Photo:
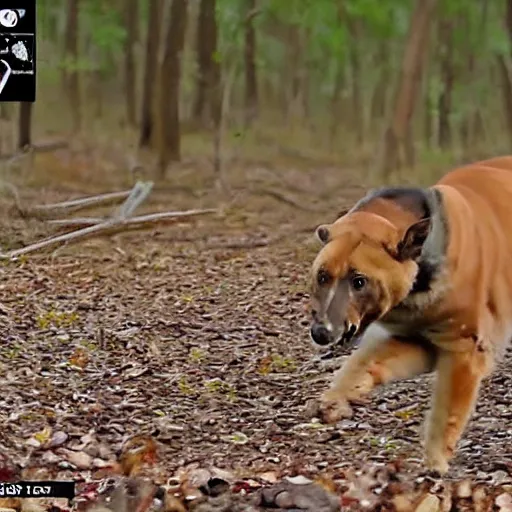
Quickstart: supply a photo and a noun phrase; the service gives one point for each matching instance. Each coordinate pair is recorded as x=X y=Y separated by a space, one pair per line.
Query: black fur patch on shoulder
x=410 y=198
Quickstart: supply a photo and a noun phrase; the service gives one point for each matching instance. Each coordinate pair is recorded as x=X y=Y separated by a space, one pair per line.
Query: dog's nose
x=320 y=334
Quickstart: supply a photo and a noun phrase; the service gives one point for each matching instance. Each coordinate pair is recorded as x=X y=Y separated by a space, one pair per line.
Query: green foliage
x=56 y=319
x=105 y=23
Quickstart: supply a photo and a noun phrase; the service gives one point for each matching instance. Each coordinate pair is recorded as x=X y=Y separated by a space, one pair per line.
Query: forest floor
x=195 y=335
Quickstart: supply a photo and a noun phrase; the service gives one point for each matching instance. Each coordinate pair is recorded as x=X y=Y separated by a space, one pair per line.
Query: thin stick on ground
x=50 y=210
x=279 y=196
x=107 y=227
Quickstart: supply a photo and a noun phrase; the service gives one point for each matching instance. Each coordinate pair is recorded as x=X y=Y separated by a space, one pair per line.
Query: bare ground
x=196 y=334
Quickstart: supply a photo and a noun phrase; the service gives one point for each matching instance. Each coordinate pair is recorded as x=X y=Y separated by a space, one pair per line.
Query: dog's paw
x=333 y=410
x=437 y=464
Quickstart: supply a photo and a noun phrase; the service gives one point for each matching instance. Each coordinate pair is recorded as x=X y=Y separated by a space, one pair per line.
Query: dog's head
x=366 y=267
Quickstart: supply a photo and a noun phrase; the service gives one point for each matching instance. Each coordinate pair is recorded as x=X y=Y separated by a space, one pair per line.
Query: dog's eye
x=358 y=282
x=323 y=277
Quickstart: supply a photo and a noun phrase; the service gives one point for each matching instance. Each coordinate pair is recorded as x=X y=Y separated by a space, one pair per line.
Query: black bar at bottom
x=38 y=489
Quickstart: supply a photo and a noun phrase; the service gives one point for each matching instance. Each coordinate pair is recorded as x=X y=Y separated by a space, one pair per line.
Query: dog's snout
x=320 y=334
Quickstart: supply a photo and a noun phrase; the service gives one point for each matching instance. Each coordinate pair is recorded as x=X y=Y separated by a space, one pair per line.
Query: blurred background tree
x=380 y=85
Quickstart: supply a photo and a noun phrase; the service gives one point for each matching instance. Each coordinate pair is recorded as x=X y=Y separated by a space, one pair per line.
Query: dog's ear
x=409 y=248
x=323 y=233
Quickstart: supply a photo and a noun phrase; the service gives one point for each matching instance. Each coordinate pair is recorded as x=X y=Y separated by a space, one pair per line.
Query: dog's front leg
x=379 y=359
x=458 y=379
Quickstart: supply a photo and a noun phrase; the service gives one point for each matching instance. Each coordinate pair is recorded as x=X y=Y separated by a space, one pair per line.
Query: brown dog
x=433 y=267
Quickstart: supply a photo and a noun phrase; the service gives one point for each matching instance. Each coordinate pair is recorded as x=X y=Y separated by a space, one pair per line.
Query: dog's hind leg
x=459 y=375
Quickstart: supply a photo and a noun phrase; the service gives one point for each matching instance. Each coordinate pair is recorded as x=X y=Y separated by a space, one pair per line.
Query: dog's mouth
x=347 y=335
x=345 y=342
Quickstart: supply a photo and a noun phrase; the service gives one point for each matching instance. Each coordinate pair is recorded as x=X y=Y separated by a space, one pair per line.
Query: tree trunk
x=148 y=93
x=504 y=71
x=291 y=73
x=130 y=74
x=472 y=127
x=251 y=84
x=396 y=135
x=354 y=29
x=506 y=88
x=378 y=105
x=170 y=86
x=71 y=78
x=206 y=103
x=25 y=125
x=447 y=77
x=428 y=118
x=335 y=105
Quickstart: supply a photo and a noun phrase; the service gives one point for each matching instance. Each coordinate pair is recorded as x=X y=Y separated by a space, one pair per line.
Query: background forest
x=359 y=82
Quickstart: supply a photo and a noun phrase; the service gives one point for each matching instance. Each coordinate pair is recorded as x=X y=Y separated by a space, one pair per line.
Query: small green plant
x=14 y=352
x=56 y=319
x=283 y=363
x=89 y=345
x=276 y=363
x=391 y=446
x=387 y=444
x=184 y=386
x=221 y=387
x=405 y=414
x=197 y=355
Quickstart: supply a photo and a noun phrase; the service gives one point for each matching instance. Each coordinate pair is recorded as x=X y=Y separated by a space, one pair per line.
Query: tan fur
x=459 y=327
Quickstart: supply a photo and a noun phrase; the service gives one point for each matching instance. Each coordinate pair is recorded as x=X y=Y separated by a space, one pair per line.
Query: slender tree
x=397 y=144
x=503 y=66
x=150 y=73
x=71 y=79
x=130 y=73
x=355 y=31
x=445 y=38
x=25 y=125
x=251 y=84
x=207 y=92
x=170 y=86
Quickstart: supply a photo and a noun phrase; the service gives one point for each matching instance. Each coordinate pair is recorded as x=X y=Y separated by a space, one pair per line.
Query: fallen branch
x=76 y=222
x=250 y=244
x=107 y=227
x=41 y=147
x=285 y=199
x=49 y=210
x=137 y=195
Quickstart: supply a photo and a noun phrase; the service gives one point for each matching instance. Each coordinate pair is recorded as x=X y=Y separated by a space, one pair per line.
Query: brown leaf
x=79 y=459
x=137 y=452
x=79 y=358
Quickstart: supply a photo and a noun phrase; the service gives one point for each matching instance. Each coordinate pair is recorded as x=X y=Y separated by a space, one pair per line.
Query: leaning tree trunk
x=354 y=29
x=506 y=89
x=130 y=74
x=397 y=143
x=206 y=100
x=71 y=79
x=251 y=84
x=149 y=89
x=503 y=64
x=378 y=103
x=170 y=86
x=25 y=125
x=447 y=77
